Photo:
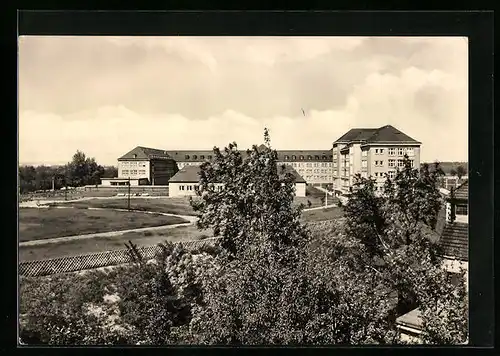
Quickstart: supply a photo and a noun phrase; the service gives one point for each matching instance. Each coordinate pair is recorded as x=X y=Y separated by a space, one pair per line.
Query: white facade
x=134 y=169
x=182 y=189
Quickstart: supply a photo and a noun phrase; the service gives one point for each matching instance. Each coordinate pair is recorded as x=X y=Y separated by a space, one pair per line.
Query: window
x=133 y=171
x=196 y=187
x=301 y=157
x=286 y=157
x=391 y=174
x=181 y=187
x=187 y=156
x=142 y=171
x=409 y=151
x=381 y=151
x=401 y=163
x=301 y=164
x=401 y=151
x=189 y=187
x=392 y=163
x=392 y=151
x=294 y=157
x=379 y=163
x=316 y=157
x=324 y=158
x=209 y=157
x=309 y=170
x=334 y=164
x=412 y=163
x=461 y=210
x=364 y=164
x=315 y=164
x=335 y=157
x=294 y=164
x=125 y=171
x=202 y=157
x=364 y=153
x=376 y=151
x=195 y=157
x=308 y=164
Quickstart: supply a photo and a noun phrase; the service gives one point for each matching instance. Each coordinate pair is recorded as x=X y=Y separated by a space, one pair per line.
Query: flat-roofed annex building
x=144 y=166
x=371 y=152
x=186 y=182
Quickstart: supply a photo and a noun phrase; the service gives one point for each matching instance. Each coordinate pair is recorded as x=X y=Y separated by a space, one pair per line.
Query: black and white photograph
x=243 y=190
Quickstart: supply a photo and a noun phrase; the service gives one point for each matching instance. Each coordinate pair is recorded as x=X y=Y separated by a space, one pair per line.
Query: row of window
x=309 y=157
x=132 y=164
x=314 y=171
x=196 y=157
x=322 y=178
x=133 y=171
x=196 y=187
x=310 y=164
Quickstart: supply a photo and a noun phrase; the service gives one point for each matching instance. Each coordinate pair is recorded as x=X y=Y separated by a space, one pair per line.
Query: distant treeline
x=454 y=168
x=80 y=171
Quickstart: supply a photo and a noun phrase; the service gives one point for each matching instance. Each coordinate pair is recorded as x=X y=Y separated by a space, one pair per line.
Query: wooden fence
x=114 y=257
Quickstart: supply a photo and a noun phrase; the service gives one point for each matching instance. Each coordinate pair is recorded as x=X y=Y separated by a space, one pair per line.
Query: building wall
x=161 y=170
x=300 y=189
x=180 y=189
x=134 y=169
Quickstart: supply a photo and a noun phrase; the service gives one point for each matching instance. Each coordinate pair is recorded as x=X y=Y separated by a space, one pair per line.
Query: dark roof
x=291 y=170
x=186 y=174
x=308 y=155
x=454 y=240
x=356 y=135
x=384 y=134
x=190 y=174
x=389 y=133
x=462 y=191
x=144 y=153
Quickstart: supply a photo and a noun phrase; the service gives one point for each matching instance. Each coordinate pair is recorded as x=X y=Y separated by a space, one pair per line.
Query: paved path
x=191 y=220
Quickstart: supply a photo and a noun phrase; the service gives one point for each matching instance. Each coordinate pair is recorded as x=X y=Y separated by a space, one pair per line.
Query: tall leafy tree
x=461 y=171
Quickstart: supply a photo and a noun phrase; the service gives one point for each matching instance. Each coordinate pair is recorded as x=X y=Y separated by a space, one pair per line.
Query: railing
x=115 y=257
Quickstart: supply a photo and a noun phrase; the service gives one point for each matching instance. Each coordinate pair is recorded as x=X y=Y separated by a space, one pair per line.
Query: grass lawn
x=162 y=205
x=99 y=244
x=35 y=224
x=322 y=214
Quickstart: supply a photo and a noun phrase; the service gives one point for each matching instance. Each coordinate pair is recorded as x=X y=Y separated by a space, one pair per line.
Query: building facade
x=313 y=165
x=186 y=182
x=376 y=153
x=145 y=166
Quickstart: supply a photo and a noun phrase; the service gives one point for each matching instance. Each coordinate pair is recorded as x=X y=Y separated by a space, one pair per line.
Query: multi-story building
x=371 y=152
x=144 y=166
x=313 y=165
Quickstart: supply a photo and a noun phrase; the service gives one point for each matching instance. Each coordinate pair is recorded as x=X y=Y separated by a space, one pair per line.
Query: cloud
x=106 y=95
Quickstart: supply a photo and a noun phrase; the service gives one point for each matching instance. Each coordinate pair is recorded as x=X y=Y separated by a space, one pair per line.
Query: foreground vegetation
x=36 y=224
x=271 y=279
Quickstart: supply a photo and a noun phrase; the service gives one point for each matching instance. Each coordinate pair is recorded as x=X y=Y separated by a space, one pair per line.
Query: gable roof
x=190 y=174
x=455 y=240
x=144 y=153
x=384 y=134
x=462 y=191
x=356 y=135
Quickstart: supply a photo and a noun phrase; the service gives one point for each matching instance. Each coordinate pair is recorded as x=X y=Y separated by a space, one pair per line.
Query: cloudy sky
x=106 y=95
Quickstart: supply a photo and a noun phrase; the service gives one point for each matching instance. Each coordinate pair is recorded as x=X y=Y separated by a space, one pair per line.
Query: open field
x=78 y=247
x=48 y=223
x=323 y=214
x=178 y=206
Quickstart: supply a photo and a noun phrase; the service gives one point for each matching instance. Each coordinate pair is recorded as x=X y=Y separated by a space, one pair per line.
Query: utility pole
x=129 y=193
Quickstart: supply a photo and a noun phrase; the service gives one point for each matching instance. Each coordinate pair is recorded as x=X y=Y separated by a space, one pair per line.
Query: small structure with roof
x=454 y=241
